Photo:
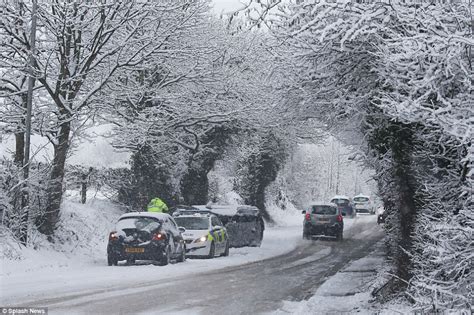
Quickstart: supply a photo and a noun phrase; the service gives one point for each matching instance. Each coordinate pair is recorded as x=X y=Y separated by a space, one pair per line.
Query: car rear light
x=113 y=236
x=308 y=216
x=159 y=236
x=339 y=218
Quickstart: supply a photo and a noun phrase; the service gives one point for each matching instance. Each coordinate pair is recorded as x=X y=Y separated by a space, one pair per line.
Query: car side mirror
x=181 y=229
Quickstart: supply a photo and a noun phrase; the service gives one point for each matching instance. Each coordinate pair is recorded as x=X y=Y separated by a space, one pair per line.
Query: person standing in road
x=157 y=205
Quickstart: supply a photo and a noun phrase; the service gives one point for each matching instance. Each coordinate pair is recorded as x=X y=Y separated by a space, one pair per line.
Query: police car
x=204 y=234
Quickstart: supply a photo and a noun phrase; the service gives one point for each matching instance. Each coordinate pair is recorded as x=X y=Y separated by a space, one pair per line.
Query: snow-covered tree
x=400 y=73
x=81 y=47
x=216 y=87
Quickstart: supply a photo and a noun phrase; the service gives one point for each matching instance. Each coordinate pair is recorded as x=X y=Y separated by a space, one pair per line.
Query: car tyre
x=165 y=260
x=212 y=251
x=111 y=260
x=306 y=236
x=339 y=236
x=226 y=251
x=182 y=256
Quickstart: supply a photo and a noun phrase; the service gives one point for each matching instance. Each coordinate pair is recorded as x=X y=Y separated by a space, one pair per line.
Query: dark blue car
x=345 y=205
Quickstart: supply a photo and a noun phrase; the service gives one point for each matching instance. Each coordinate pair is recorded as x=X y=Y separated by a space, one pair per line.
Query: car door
x=168 y=227
x=178 y=237
x=218 y=233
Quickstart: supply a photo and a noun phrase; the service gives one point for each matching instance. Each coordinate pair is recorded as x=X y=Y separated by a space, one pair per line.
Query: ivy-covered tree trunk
x=194 y=184
x=402 y=147
x=260 y=170
x=393 y=145
x=55 y=186
x=151 y=179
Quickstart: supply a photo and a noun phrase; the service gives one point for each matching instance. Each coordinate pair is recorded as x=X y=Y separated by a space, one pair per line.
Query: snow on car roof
x=361 y=195
x=195 y=214
x=340 y=197
x=159 y=216
x=321 y=203
x=229 y=210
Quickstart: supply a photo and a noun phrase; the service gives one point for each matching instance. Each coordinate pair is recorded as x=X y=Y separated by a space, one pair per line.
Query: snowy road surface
x=230 y=285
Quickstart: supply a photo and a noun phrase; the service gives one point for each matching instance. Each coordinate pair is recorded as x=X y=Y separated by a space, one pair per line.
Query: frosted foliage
x=319 y=172
x=402 y=73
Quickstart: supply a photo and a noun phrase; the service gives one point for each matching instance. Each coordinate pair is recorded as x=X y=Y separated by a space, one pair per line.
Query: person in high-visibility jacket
x=157 y=205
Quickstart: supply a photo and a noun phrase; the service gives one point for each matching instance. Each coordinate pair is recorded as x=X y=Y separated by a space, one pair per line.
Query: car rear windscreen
x=361 y=199
x=327 y=210
x=138 y=223
x=193 y=223
x=340 y=202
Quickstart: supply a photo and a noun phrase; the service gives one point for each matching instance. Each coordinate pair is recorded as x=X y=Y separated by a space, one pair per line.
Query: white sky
x=225 y=6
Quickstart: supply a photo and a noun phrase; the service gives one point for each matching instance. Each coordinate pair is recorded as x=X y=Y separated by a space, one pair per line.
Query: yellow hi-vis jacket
x=157 y=205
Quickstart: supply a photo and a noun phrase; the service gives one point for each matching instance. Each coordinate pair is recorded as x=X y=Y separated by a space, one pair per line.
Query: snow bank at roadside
x=349 y=291
x=290 y=216
x=81 y=237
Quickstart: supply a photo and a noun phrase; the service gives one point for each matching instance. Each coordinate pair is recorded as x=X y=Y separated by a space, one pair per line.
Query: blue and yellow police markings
x=217 y=235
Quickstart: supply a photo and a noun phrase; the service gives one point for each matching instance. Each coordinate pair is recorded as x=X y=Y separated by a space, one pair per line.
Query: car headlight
x=202 y=239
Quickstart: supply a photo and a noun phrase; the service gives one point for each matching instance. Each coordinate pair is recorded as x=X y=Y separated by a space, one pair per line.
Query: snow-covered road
x=249 y=280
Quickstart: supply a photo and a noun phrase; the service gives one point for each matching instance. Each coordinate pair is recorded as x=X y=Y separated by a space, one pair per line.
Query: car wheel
x=165 y=260
x=130 y=261
x=339 y=236
x=306 y=236
x=212 y=251
x=226 y=251
x=182 y=257
x=111 y=260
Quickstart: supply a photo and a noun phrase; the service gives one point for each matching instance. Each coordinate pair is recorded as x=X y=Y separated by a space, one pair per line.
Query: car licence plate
x=134 y=250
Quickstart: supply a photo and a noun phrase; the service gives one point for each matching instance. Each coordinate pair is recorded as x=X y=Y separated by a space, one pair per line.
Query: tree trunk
x=404 y=176
x=19 y=148
x=260 y=201
x=195 y=186
x=55 y=187
x=84 y=182
x=21 y=145
x=84 y=189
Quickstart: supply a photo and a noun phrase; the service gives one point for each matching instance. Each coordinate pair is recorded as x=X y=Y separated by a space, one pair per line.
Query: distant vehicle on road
x=323 y=219
x=204 y=235
x=363 y=204
x=344 y=203
x=145 y=236
x=244 y=224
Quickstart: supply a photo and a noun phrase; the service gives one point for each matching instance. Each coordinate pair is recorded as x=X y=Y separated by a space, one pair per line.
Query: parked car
x=244 y=224
x=204 y=235
x=363 y=204
x=323 y=219
x=145 y=236
x=344 y=203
